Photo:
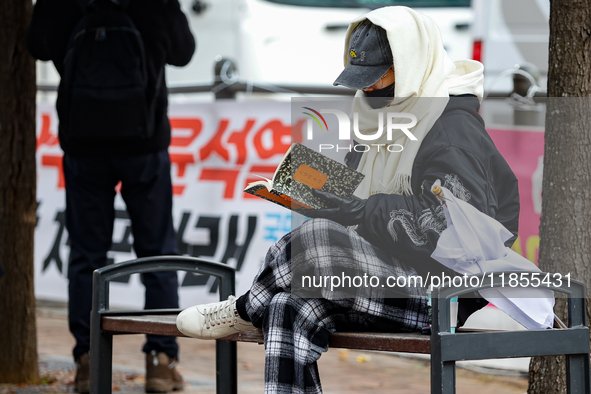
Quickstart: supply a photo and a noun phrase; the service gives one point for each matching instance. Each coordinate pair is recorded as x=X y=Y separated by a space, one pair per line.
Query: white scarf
x=425 y=78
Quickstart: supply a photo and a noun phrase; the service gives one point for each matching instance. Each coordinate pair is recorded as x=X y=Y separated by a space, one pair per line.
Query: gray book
x=301 y=170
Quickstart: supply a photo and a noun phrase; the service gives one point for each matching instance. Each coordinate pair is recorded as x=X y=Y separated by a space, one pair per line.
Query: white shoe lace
x=222 y=313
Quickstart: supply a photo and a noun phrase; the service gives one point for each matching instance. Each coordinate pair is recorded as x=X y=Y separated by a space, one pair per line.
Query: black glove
x=348 y=211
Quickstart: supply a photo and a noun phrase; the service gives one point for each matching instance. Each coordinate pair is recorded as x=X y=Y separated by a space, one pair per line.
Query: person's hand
x=347 y=211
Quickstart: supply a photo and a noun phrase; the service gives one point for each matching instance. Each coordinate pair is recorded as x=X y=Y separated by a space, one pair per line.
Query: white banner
x=216 y=148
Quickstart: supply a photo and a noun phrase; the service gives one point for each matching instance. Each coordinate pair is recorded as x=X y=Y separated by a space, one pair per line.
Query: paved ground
x=342 y=371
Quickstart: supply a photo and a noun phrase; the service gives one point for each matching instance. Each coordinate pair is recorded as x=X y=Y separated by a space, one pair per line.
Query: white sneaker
x=212 y=321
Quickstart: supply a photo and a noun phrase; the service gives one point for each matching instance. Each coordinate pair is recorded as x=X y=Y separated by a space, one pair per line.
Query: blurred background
x=300 y=42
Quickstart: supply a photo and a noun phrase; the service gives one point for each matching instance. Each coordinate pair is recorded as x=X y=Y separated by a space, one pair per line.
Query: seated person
x=396 y=61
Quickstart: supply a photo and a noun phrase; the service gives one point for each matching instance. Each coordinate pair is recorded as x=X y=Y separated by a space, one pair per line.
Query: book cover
x=301 y=170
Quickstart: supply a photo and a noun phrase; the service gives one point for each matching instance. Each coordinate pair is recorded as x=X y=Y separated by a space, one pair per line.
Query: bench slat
x=150 y=324
x=165 y=325
x=396 y=342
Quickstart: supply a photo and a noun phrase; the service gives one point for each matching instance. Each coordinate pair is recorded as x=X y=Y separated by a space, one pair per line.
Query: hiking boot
x=212 y=321
x=161 y=373
x=82 y=379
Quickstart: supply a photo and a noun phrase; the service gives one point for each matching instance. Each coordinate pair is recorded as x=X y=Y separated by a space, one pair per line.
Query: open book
x=301 y=170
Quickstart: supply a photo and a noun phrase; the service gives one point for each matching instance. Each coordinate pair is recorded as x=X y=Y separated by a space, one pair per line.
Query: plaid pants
x=297 y=329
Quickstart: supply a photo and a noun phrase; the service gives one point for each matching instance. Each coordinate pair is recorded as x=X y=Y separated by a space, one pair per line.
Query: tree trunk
x=18 y=341
x=565 y=226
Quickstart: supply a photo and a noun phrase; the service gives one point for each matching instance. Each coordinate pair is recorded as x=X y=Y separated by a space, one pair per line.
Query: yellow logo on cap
x=352 y=54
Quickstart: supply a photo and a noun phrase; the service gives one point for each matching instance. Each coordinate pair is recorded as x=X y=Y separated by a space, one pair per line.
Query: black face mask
x=380 y=97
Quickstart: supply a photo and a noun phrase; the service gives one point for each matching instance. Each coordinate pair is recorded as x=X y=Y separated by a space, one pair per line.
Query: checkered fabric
x=297 y=329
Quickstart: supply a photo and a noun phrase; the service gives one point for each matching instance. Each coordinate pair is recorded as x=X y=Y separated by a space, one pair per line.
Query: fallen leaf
x=344 y=354
x=363 y=358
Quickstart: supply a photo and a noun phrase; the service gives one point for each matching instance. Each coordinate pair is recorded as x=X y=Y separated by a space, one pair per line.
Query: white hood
x=425 y=77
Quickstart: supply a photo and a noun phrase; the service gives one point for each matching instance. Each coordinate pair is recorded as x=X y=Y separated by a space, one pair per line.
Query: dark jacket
x=459 y=152
x=167 y=40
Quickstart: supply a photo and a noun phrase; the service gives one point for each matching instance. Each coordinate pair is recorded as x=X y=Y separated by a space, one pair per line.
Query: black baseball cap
x=370 y=57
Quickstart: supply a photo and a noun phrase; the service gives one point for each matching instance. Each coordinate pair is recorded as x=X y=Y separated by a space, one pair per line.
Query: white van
x=297 y=42
x=509 y=33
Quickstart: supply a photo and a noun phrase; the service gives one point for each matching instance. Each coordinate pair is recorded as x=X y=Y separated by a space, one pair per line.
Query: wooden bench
x=444 y=347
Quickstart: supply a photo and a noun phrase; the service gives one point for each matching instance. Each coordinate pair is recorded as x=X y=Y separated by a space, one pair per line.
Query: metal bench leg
x=448 y=380
x=577 y=374
x=443 y=376
x=226 y=368
x=101 y=363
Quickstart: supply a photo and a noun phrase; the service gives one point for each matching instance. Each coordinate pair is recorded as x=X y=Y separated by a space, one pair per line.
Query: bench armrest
x=101 y=343
x=102 y=276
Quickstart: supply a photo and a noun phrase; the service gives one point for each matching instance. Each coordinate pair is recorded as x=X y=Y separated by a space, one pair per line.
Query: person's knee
x=316 y=224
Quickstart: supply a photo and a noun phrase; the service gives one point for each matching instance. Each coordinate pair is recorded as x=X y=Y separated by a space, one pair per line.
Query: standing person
x=395 y=59
x=114 y=128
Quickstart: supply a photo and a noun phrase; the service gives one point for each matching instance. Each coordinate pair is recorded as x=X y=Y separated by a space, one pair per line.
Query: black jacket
x=167 y=40
x=459 y=152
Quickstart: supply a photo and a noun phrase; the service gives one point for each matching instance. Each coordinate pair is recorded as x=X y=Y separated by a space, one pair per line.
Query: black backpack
x=104 y=93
